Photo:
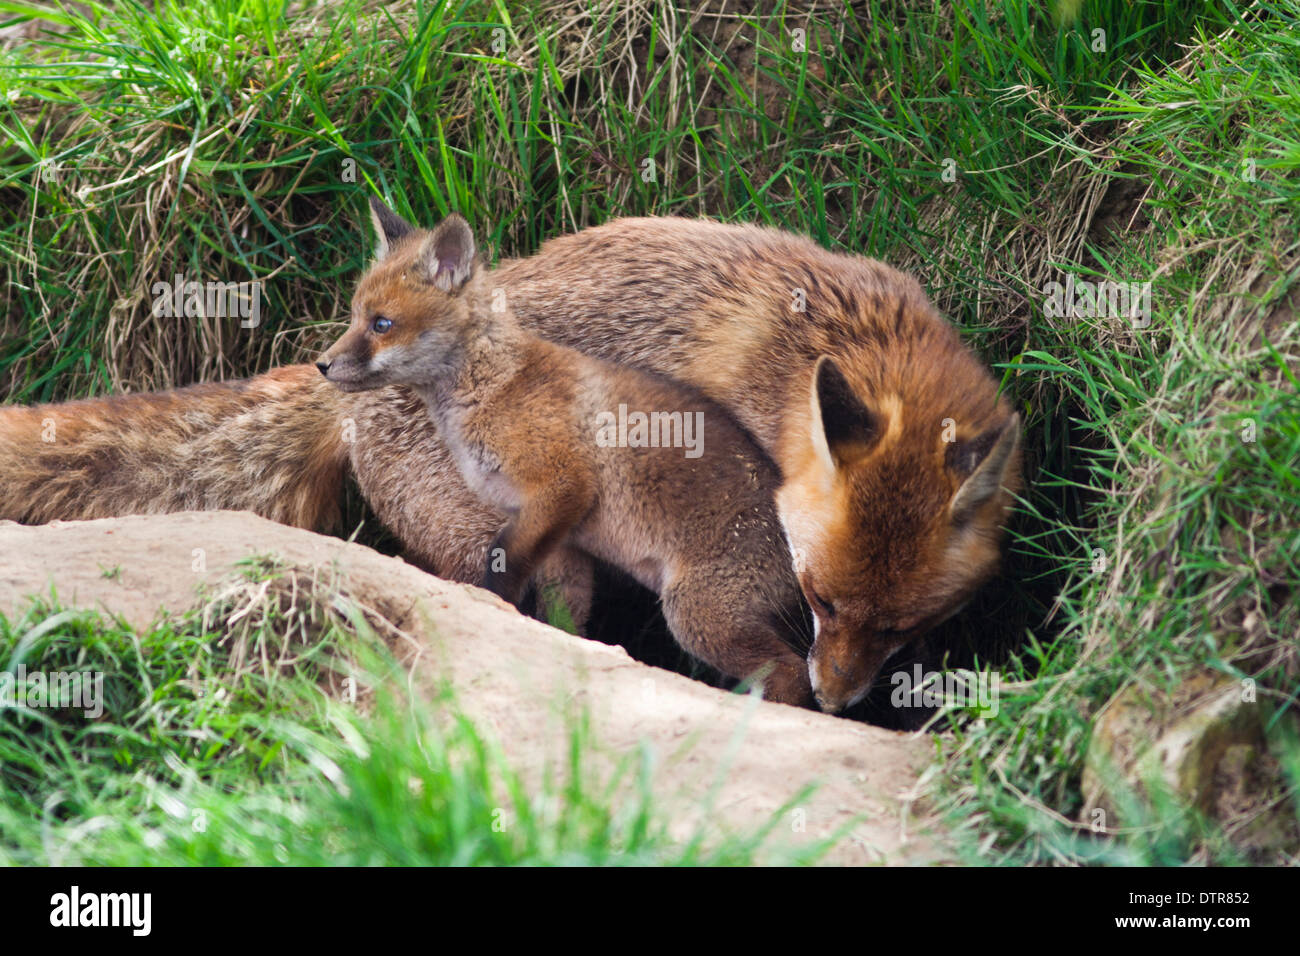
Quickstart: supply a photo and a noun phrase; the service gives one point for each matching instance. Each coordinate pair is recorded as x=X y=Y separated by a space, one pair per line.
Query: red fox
x=544 y=433
x=898 y=459
x=268 y=444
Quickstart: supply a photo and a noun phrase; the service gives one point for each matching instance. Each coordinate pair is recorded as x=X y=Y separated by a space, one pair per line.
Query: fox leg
x=569 y=575
x=409 y=477
x=450 y=532
x=737 y=636
x=546 y=518
x=453 y=534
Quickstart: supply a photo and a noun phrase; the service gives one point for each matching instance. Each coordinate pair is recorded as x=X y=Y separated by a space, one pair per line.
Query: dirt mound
x=520 y=680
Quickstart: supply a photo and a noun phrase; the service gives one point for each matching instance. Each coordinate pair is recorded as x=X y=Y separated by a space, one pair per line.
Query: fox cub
x=580 y=453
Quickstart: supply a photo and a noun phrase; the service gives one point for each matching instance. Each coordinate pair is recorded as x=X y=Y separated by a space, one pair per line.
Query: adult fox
x=898 y=458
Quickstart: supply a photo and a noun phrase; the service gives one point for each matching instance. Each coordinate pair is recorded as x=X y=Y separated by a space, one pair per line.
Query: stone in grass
x=1204 y=746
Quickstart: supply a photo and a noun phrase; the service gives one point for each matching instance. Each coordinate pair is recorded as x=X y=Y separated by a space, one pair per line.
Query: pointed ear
x=984 y=461
x=841 y=423
x=448 y=254
x=389 y=227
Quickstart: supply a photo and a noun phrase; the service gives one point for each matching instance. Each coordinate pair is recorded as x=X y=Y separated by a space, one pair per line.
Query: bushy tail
x=273 y=445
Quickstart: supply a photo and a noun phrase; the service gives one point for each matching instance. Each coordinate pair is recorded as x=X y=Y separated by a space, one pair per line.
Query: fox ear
x=389 y=227
x=841 y=423
x=448 y=254
x=984 y=462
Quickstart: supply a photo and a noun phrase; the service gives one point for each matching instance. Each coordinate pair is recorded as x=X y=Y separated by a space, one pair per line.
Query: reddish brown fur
x=270 y=445
x=521 y=412
x=709 y=304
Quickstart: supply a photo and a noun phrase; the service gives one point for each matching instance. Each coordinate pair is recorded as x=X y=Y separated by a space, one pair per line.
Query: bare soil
x=519 y=680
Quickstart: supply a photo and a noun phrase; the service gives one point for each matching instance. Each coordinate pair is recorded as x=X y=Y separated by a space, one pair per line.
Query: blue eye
x=380 y=325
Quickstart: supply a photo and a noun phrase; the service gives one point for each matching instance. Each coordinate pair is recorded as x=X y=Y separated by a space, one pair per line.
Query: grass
x=228 y=737
x=990 y=147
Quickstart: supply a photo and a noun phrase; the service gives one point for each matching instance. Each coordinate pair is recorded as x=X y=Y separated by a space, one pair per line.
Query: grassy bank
x=992 y=148
x=232 y=736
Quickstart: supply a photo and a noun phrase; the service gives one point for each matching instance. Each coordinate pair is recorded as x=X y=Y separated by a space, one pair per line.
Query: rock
x=1204 y=746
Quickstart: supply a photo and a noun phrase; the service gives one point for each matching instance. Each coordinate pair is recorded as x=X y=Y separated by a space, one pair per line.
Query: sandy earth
x=521 y=680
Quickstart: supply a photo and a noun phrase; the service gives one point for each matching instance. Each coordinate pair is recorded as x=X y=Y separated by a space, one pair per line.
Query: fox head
x=412 y=312
x=892 y=528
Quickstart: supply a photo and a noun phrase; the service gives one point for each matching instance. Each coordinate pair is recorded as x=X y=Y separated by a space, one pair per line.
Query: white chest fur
x=478 y=465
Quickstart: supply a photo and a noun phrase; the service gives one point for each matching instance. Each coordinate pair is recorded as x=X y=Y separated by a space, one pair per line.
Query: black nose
x=324 y=367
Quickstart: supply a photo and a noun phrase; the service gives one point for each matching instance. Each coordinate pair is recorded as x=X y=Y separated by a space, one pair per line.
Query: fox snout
x=344 y=368
x=843 y=668
x=332 y=365
x=328 y=364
